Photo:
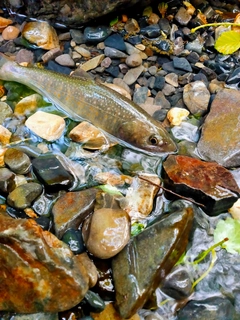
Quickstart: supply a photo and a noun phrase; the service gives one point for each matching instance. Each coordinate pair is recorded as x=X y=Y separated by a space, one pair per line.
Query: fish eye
x=153 y=140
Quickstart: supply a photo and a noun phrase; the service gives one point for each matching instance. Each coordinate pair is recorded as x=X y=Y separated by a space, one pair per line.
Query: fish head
x=148 y=137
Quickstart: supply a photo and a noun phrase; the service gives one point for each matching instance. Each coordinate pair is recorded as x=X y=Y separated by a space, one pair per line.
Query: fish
x=85 y=99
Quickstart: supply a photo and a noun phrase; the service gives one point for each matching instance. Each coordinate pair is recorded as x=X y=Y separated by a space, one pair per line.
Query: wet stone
x=177 y=283
x=115 y=41
x=107 y=232
x=138 y=271
x=220 y=133
x=196 y=97
x=51 y=171
x=46 y=269
x=71 y=209
x=206 y=182
x=23 y=196
x=73 y=238
x=58 y=68
x=151 y=31
x=96 y=35
x=208 y=309
x=169 y=67
x=17 y=161
x=7 y=183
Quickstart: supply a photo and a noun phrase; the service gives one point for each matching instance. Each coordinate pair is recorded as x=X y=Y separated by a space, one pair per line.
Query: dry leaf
x=4 y=23
x=236 y=20
x=190 y=7
x=202 y=17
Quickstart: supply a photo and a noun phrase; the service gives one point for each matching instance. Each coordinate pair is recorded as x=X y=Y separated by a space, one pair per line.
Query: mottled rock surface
x=206 y=182
x=71 y=209
x=220 y=138
x=148 y=257
x=69 y=12
x=42 y=269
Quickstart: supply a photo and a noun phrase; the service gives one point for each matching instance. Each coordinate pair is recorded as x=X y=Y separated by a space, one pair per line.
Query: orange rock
x=42 y=34
x=4 y=23
x=10 y=33
x=40 y=267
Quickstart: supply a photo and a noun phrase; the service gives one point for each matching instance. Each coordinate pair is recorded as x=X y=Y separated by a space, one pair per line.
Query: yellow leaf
x=228 y=42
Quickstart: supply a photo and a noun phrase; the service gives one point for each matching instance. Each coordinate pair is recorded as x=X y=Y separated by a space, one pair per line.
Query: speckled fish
x=84 y=99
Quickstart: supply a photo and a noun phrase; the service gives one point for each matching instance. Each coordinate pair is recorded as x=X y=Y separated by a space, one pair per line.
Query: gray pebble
x=140 y=95
x=17 y=161
x=114 y=53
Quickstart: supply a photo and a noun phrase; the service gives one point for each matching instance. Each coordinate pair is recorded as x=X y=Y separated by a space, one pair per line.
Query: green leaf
x=229 y=228
x=109 y=189
x=228 y=42
x=113 y=22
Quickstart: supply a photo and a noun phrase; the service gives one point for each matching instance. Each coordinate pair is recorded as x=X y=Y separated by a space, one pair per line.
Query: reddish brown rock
x=38 y=272
x=220 y=138
x=71 y=209
x=206 y=182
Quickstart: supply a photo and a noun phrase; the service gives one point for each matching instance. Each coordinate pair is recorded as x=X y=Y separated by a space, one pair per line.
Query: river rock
x=41 y=33
x=196 y=97
x=10 y=33
x=5 y=135
x=220 y=139
x=134 y=60
x=71 y=209
x=7 y=183
x=39 y=266
x=106 y=232
x=22 y=196
x=49 y=169
x=28 y=104
x=206 y=182
x=92 y=63
x=18 y=161
x=115 y=41
x=209 y=309
x=147 y=258
x=46 y=125
x=65 y=60
x=139 y=198
x=132 y=75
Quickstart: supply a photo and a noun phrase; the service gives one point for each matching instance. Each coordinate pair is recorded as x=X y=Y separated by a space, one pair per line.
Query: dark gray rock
x=182 y=64
x=209 y=309
x=115 y=41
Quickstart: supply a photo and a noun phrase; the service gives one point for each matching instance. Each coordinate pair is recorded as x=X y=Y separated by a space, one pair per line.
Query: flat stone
x=23 y=196
x=39 y=266
x=182 y=64
x=172 y=79
x=71 y=209
x=115 y=41
x=134 y=60
x=49 y=169
x=65 y=60
x=92 y=63
x=196 y=97
x=114 y=53
x=46 y=125
x=160 y=100
x=82 y=51
x=206 y=182
x=159 y=83
x=139 y=270
x=220 y=139
x=132 y=75
x=77 y=36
